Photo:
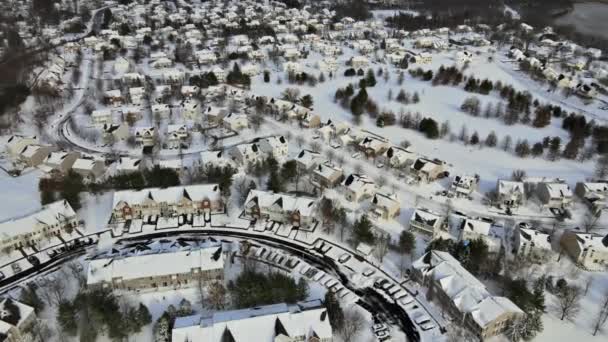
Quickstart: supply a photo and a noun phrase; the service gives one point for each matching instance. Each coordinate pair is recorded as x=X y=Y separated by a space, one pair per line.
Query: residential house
x=287 y=209
x=17 y=321
x=373 y=146
x=246 y=154
x=510 y=193
x=357 y=187
x=590 y=251
x=276 y=146
x=426 y=222
x=114 y=98
x=61 y=161
x=190 y=91
x=167 y=202
x=16 y=143
x=215 y=158
x=29 y=230
x=428 y=170
x=555 y=194
x=145 y=136
x=398 y=158
x=34 y=155
x=464 y=186
x=161 y=110
x=89 y=168
x=463 y=296
x=101 y=117
x=177 y=136
x=531 y=243
x=462 y=228
x=384 y=205
x=128 y=165
x=235 y=122
x=307 y=160
x=594 y=194
x=304 y=321
x=114 y=132
x=137 y=95
x=169 y=270
x=326 y=175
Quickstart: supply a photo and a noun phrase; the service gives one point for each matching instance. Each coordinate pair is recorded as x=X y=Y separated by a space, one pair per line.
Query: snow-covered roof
x=327 y=170
x=260 y=324
x=355 y=182
x=558 y=189
x=150 y=265
x=168 y=195
x=509 y=187
x=264 y=199
x=536 y=238
x=50 y=215
x=426 y=217
x=467 y=293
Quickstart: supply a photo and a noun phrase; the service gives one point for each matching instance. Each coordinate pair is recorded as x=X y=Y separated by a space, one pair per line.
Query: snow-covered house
x=145 y=135
x=462 y=228
x=587 y=250
x=235 y=122
x=464 y=186
x=359 y=62
x=215 y=158
x=326 y=175
x=510 y=193
x=426 y=222
x=397 y=157
x=531 y=243
x=51 y=220
x=17 y=321
x=427 y=170
x=136 y=95
x=306 y=160
x=61 y=161
x=167 y=202
x=356 y=187
x=161 y=110
x=101 y=117
x=128 y=165
x=287 y=209
x=190 y=91
x=191 y=109
x=114 y=98
x=246 y=154
x=89 y=168
x=16 y=143
x=304 y=321
x=385 y=205
x=177 y=136
x=464 y=296
x=554 y=194
x=594 y=194
x=157 y=271
x=276 y=146
x=34 y=155
x=373 y=146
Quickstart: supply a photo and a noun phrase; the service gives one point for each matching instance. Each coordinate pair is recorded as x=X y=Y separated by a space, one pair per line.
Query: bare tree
x=291 y=95
x=518 y=175
x=353 y=324
x=568 y=301
x=590 y=220
x=76 y=270
x=330 y=154
x=602 y=315
x=299 y=140
x=217 y=296
x=315 y=146
x=381 y=247
x=381 y=181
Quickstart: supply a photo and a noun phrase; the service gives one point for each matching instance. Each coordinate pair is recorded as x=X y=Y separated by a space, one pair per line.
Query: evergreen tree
x=474 y=139
x=275 y=182
x=334 y=310
x=538 y=294
x=491 y=139
x=307 y=101
x=428 y=126
x=522 y=149
x=415 y=97
x=537 y=149
x=362 y=231
x=554 y=148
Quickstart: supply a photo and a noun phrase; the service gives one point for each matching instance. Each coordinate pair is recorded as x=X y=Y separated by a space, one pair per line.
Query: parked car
x=379 y=327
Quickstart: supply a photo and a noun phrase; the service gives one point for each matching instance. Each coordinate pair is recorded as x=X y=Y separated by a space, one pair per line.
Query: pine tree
x=491 y=139
x=554 y=148
x=474 y=138
x=506 y=143
x=538 y=299
x=275 y=182
x=334 y=310
x=416 y=97
x=537 y=149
